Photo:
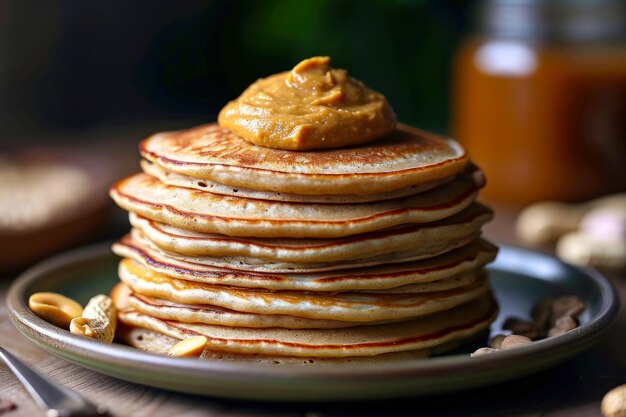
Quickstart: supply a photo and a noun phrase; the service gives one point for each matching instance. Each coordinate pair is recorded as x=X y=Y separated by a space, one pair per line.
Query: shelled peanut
x=191 y=347
x=97 y=320
x=54 y=308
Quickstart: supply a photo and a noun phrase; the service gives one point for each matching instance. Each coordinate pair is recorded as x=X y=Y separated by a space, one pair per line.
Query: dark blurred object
x=50 y=200
x=540 y=99
x=66 y=66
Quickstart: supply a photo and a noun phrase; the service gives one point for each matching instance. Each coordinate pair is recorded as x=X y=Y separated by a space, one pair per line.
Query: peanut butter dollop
x=312 y=106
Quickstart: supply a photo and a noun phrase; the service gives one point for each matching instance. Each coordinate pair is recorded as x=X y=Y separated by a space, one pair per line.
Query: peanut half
x=98 y=320
x=55 y=308
x=190 y=347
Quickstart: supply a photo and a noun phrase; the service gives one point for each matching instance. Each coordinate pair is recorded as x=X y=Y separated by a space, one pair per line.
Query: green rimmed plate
x=519 y=278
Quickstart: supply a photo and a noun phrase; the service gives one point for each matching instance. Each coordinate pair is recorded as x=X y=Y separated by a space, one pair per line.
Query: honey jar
x=539 y=99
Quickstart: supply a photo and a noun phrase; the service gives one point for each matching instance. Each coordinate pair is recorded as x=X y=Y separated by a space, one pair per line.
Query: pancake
x=416 y=252
x=467 y=258
x=233 y=216
x=459 y=323
x=125 y=298
x=345 y=306
x=208 y=314
x=178 y=180
x=159 y=343
x=458 y=281
x=428 y=238
x=407 y=157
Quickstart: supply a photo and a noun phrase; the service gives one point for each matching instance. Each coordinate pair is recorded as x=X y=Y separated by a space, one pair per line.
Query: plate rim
x=117 y=355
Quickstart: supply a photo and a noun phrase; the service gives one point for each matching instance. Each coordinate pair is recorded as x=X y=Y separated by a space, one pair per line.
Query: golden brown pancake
x=213 y=213
x=178 y=180
x=426 y=238
x=345 y=306
x=415 y=252
x=208 y=314
x=458 y=261
x=159 y=343
x=407 y=157
x=461 y=322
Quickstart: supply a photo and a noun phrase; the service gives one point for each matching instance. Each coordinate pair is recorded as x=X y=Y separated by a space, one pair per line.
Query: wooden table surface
x=574 y=388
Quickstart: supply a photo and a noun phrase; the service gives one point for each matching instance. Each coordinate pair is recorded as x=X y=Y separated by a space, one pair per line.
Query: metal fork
x=54 y=399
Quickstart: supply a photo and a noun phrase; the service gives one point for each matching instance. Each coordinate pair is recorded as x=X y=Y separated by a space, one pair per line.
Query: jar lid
x=559 y=20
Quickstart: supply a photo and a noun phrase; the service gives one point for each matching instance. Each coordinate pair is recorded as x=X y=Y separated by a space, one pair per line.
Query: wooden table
x=574 y=388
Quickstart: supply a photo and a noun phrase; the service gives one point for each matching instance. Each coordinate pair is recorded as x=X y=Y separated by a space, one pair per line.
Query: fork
x=54 y=399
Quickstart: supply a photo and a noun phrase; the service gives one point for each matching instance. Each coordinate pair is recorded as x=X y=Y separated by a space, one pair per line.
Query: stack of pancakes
x=371 y=251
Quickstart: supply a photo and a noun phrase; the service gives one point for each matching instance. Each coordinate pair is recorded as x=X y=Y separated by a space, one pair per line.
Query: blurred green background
x=66 y=66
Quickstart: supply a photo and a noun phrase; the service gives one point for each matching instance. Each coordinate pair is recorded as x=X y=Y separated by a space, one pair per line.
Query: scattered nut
x=551 y=317
x=496 y=342
x=514 y=340
x=543 y=223
x=81 y=326
x=614 y=201
x=581 y=249
x=566 y=306
x=614 y=402
x=483 y=351
x=605 y=223
x=98 y=320
x=589 y=234
x=524 y=328
x=191 y=347
x=541 y=313
x=55 y=308
x=562 y=325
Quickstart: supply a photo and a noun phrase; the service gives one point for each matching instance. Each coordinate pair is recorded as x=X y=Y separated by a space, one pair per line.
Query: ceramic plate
x=519 y=278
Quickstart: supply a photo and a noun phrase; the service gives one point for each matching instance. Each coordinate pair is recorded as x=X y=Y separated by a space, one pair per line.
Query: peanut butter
x=312 y=106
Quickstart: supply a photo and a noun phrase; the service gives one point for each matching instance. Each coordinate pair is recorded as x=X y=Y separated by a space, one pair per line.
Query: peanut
x=55 y=308
x=566 y=306
x=496 y=342
x=614 y=201
x=523 y=328
x=605 y=223
x=589 y=234
x=98 y=320
x=514 y=340
x=483 y=351
x=543 y=223
x=501 y=342
x=580 y=249
x=190 y=347
x=563 y=325
x=541 y=313
x=614 y=402
x=559 y=313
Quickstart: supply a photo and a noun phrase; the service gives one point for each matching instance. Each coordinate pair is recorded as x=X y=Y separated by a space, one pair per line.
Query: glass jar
x=540 y=99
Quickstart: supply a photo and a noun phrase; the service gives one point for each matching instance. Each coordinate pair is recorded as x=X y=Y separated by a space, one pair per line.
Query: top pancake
x=177 y=180
x=408 y=157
